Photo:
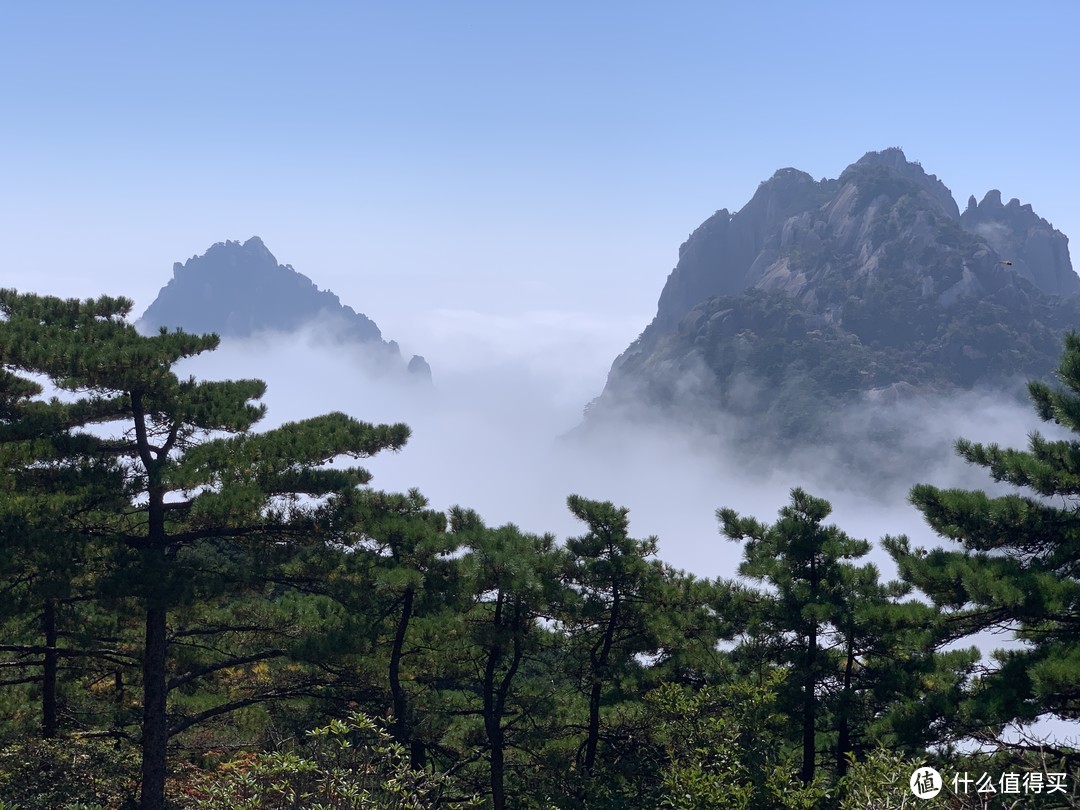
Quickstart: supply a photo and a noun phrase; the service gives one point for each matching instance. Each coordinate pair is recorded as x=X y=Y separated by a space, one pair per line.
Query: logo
x=926 y=783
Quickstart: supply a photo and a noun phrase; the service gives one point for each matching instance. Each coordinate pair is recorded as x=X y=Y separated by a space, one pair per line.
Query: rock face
x=823 y=292
x=419 y=367
x=1037 y=251
x=239 y=290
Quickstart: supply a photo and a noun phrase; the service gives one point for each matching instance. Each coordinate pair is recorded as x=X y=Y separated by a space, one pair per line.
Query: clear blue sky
x=494 y=156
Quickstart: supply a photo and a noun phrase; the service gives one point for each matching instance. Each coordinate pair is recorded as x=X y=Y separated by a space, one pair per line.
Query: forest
x=196 y=613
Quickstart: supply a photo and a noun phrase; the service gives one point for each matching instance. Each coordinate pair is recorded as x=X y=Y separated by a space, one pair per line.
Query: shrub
x=347 y=765
x=68 y=774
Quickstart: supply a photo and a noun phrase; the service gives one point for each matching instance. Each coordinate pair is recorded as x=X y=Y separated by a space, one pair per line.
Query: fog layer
x=491 y=435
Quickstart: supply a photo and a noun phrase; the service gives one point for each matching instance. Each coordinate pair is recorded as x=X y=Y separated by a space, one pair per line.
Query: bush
x=347 y=765
x=68 y=774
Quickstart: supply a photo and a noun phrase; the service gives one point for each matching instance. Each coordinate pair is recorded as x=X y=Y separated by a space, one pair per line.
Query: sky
x=503 y=188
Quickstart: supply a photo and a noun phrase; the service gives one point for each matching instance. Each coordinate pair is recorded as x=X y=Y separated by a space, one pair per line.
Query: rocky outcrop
x=717 y=257
x=895 y=162
x=730 y=252
x=1035 y=249
x=238 y=290
x=419 y=368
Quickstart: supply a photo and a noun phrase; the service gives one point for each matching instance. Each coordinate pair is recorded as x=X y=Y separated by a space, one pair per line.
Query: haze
x=491 y=436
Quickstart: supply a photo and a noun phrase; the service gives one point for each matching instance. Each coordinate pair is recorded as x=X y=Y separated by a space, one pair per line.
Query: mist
x=494 y=433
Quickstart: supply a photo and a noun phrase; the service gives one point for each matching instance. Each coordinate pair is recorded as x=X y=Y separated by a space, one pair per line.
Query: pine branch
x=232 y=706
x=209 y=669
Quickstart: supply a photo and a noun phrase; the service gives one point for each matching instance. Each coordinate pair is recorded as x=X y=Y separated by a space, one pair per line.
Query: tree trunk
x=498 y=769
x=49 y=723
x=843 y=743
x=417 y=754
x=400 y=729
x=155 y=732
x=809 y=717
x=492 y=717
x=155 y=565
x=600 y=663
x=809 y=707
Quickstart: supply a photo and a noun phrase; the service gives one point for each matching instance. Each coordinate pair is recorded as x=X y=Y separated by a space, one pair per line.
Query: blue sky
x=507 y=158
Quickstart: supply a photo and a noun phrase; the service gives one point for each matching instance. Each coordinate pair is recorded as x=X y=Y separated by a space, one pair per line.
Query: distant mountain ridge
x=818 y=293
x=239 y=290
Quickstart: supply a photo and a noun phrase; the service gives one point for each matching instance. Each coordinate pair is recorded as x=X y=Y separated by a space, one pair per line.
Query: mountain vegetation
x=199 y=614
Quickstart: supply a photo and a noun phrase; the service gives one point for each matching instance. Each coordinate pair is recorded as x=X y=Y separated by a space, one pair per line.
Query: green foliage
x=211 y=507
x=1016 y=569
x=611 y=615
x=351 y=764
x=840 y=631
x=69 y=774
x=726 y=748
x=501 y=656
x=881 y=781
x=802 y=560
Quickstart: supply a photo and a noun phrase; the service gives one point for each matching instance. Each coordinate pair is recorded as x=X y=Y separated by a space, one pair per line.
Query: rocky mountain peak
x=892 y=156
x=895 y=161
x=419 y=368
x=820 y=292
x=240 y=289
x=717 y=257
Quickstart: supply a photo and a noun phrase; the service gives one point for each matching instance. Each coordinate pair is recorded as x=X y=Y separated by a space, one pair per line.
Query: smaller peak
x=790 y=174
x=893 y=157
x=784 y=183
x=972 y=205
x=256 y=246
x=894 y=161
x=419 y=368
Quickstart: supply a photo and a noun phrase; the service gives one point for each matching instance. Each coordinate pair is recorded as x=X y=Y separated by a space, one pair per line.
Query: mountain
x=239 y=290
x=867 y=288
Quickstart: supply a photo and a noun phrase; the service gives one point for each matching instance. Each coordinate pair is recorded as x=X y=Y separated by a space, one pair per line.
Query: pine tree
x=46 y=570
x=513 y=587
x=884 y=669
x=1018 y=566
x=616 y=620
x=841 y=631
x=198 y=481
x=396 y=577
x=800 y=558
